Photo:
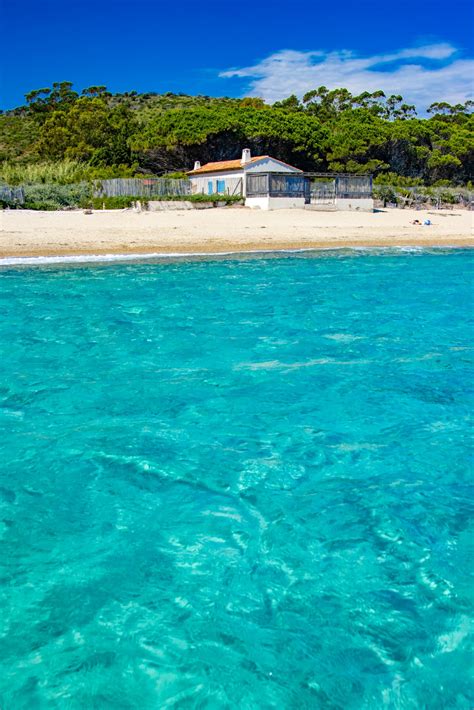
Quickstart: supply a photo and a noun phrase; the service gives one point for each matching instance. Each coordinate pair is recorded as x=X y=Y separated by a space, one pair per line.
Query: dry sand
x=31 y=233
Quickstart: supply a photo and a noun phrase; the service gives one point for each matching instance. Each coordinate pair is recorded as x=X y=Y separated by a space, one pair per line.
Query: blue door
x=221 y=187
x=210 y=189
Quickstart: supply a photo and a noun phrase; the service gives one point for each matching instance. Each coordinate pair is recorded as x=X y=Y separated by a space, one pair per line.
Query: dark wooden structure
x=319 y=188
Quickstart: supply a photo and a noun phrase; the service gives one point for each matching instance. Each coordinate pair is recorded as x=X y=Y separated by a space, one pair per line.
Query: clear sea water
x=239 y=483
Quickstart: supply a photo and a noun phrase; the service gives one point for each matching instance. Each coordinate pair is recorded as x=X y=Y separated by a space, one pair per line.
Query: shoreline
x=134 y=257
x=130 y=235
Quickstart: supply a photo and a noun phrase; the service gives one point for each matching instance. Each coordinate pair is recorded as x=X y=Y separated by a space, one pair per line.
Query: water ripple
x=242 y=483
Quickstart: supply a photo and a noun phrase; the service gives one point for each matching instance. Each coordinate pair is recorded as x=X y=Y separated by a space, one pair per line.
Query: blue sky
x=418 y=48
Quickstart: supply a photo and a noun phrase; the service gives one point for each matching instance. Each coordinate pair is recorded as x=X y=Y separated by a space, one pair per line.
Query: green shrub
x=448 y=198
x=385 y=193
x=176 y=176
x=119 y=202
x=55 y=197
x=397 y=180
x=41 y=206
x=125 y=201
x=60 y=172
x=8 y=204
x=228 y=199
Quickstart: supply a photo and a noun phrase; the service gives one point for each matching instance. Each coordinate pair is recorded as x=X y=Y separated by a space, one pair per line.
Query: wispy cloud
x=422 y=74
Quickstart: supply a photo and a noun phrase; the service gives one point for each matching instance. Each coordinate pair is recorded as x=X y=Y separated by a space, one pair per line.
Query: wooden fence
x=418 y=196
x=143 y=187
x=12 y=195
x=323 y=191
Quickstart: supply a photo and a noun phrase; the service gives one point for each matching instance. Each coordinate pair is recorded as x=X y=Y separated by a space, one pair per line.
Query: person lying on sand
x=426 y=223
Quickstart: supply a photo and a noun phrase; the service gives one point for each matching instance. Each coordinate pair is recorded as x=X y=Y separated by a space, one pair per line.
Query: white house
x=265 y=182
x=268 y=183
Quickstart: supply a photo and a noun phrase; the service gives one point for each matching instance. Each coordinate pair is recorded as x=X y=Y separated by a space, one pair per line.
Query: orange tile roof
x=224 y=165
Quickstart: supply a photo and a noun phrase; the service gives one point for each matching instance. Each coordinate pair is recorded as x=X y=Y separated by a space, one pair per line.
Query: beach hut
x=268 y=184
x=264 y=182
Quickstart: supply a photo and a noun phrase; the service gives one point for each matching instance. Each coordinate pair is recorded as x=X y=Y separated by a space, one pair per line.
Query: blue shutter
x=210 y=188
x=221 y=187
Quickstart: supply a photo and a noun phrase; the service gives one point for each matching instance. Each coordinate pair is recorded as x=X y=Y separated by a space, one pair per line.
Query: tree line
x=326 y=130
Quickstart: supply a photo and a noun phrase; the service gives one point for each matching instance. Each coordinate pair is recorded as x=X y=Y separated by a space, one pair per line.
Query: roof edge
x=238 y=166
x=277 y=160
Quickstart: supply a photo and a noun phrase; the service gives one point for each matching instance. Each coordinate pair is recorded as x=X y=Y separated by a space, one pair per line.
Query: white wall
x=199 y=183
x=362 y=205
x=285 y=203
x=166 y=205
x=258 y=203
x=275 y=203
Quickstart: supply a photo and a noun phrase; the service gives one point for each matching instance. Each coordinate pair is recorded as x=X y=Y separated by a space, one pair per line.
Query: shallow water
x=237 y=484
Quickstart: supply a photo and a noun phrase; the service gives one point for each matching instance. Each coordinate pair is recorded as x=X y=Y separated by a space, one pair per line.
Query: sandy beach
x=34 y=233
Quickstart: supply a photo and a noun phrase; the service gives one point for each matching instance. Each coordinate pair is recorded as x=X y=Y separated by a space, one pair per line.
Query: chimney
x=197 y=165
x=245 y=156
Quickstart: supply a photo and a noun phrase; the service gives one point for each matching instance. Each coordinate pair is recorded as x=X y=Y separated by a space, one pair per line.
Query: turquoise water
x=237 y=484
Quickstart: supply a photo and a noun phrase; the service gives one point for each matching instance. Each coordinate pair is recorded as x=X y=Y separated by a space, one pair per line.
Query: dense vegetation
x=62 y=197
x=63 y=137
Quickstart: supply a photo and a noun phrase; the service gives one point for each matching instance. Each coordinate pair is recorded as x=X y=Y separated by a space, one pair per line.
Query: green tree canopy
x=327 y=129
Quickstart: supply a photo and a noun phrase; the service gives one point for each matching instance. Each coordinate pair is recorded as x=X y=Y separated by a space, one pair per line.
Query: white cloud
x=421 y=74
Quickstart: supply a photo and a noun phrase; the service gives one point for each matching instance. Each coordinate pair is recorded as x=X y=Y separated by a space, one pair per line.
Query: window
x=221 y=187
